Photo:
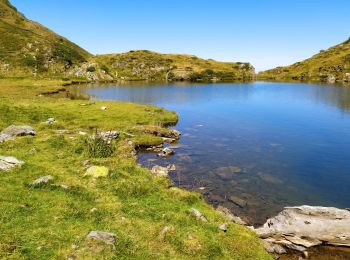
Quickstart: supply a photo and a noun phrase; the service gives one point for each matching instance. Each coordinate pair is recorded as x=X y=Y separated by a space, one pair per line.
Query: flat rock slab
x=43 y=180
x=97 y=171
x=306 y=226
x=7 y=163
x=105 y=237
x=22 y=130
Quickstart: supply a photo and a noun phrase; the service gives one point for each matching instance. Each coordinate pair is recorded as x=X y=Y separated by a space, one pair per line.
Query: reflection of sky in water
x=291 y=141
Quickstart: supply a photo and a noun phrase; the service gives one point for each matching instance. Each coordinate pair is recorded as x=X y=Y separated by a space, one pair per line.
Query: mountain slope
x=328 y=66
x=147 y=65
x=27 y=47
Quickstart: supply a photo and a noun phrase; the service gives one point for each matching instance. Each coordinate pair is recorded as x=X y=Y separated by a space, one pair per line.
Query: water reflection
x=254 y=147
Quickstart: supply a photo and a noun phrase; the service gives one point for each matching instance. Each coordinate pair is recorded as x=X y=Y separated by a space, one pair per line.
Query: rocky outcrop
x=11 y=132
x=8 y=163
x=159 y=131
x=302 y=227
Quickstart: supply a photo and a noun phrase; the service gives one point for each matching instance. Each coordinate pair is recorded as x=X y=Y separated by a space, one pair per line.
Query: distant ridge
x=332 y=65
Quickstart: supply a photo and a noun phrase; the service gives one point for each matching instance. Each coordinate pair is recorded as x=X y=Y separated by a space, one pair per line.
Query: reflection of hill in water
x=160 y=93
x=166 y=94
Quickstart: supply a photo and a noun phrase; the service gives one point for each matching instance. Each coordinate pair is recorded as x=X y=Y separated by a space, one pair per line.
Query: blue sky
x=267 y=33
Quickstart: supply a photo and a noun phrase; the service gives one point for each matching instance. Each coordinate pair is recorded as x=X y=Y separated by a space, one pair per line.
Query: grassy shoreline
x=150 y=218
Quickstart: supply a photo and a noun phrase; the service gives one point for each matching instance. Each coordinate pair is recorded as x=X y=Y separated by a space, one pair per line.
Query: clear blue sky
x=266 y=33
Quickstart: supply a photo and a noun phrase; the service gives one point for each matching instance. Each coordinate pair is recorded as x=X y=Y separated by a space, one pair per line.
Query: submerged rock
x=7 y=163
x=97 y=171
x=226 y=173
x=229 y=216
x=302 y=227
x=12 y=131
x=238 y=201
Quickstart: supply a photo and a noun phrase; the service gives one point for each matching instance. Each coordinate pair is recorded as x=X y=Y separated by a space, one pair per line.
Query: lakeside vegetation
x=52 y=220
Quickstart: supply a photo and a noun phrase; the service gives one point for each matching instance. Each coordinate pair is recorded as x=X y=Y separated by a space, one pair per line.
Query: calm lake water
x=254 y=148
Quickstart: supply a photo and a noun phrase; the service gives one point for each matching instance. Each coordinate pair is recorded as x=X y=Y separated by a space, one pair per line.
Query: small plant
x=99 y=146
x=104 y=68
x=91 y=69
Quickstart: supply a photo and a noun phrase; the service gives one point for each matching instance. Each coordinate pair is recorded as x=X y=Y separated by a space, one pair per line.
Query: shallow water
x=254 y=148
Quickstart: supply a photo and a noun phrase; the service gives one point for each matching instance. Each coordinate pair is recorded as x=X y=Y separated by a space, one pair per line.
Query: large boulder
x=7 y=163
x=302 y=227
x=12 y=131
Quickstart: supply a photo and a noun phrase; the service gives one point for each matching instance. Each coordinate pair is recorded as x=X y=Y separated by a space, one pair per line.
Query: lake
x=253 y=147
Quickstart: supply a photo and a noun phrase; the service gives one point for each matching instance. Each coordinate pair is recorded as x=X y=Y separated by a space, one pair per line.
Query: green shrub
x=91 y=69
x=104 y=68
x=65 y=53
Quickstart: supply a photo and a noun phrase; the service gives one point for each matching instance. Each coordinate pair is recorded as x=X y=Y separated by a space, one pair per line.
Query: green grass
x=49 y=222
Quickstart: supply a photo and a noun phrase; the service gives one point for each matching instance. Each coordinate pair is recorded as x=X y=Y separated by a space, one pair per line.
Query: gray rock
x=162 y=171
x=229 y=216
x=50 y=120
x=302 y=227
x=196 y=213
x=12 y=131
x=105 y=237
x=43 y=180
x=7 y=163
x=223 y=227
x=274 y=248
x=171 y=167
x=109 y=135
x=166 y=152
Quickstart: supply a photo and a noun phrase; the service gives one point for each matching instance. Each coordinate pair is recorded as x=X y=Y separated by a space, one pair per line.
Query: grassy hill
x=147 y=65
x=28 y=48
x=327 y=66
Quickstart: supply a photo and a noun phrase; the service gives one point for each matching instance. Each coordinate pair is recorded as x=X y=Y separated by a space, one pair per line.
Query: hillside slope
x=147 y=65
x=28 y=48
x=327 y=66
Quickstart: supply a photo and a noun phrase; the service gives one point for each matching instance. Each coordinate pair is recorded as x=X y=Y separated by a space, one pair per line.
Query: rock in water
x=12 y=131
x=302 y=227
x=166 y=152
x=105 y=237
x=97 y=171
x=160 y=171
x=229 y=216
x=7 y=163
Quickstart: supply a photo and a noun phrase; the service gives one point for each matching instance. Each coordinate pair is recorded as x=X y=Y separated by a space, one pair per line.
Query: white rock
x=306 y=226
x=7 y=163
x=198 y=214
x=43 y=180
